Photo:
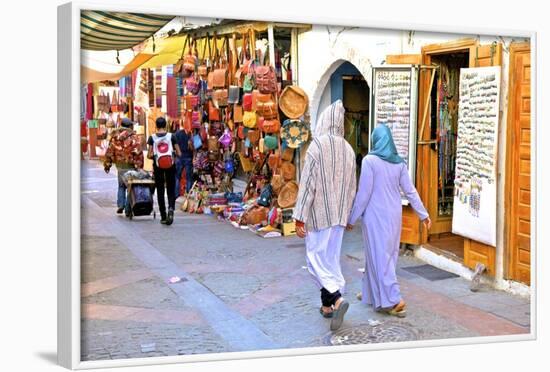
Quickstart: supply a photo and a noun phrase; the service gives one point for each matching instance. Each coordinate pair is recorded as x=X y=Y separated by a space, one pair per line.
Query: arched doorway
x=343 y=81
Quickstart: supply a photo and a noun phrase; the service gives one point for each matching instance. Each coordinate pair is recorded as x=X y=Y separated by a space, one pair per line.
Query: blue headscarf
x=383 y=146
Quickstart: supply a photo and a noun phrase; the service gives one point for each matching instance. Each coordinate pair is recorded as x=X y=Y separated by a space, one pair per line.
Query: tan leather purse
x=238 y=114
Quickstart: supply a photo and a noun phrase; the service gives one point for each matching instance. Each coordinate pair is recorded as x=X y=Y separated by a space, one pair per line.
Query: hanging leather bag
x=265 y=79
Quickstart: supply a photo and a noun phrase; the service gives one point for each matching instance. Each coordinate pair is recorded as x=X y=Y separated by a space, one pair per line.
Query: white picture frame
x=68 y=155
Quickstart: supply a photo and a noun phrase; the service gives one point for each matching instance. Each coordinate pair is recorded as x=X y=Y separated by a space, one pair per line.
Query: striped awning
x=117 y=31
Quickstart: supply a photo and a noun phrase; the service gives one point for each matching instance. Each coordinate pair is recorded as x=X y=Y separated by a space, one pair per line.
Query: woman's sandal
x=325 y=314
x=398 y=310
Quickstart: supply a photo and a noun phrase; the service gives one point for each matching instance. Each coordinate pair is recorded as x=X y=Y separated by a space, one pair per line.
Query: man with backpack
x=161 y=148
x=125 y=151
x=185 y=161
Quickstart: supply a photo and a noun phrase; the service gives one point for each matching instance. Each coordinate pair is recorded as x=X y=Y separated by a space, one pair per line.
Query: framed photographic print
x=238 y=186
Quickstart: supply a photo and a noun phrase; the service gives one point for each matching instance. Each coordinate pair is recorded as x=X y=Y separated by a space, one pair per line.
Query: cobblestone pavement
x=242 y=292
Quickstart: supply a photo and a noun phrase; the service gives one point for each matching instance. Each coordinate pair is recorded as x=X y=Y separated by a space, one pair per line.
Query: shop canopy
x=90 y=75
x=117 y=31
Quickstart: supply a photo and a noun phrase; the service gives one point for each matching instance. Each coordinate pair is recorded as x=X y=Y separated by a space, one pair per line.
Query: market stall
x=233 y=94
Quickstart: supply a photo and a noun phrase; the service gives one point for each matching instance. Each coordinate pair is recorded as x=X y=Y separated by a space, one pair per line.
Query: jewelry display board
x=394 y=103
x=475 y=203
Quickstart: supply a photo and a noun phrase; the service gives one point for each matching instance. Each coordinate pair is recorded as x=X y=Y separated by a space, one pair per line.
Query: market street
x=242 y=292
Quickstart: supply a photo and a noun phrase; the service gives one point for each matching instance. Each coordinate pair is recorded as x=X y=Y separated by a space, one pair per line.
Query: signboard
x=394 y=103
x=475 y=202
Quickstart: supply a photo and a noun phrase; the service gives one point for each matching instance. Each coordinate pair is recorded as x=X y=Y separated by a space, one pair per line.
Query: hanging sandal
x=325 y=314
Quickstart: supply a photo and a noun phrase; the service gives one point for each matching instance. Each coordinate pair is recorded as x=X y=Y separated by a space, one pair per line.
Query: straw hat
x=294 y=133
x=293 y=101
x=288 y=195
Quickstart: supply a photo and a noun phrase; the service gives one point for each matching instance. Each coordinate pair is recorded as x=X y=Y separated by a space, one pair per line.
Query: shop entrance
x=356 y=102
x=347 y=83
x=444 y=128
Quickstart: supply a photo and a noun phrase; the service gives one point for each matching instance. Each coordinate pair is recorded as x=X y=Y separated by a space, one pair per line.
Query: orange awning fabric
x=89 y=75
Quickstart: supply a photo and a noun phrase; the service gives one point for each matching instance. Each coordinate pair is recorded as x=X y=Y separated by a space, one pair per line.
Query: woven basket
x=288 y=195
x=293 y=101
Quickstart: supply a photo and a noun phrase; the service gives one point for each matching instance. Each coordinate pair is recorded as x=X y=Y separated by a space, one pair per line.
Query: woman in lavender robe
x=378 y=201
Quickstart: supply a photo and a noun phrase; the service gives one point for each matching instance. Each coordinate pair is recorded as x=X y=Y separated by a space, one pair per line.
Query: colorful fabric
x=158 y=87
x=172 y=98
x=124 y=149
x=179 y=94
x=328 y=180
x=90 y=102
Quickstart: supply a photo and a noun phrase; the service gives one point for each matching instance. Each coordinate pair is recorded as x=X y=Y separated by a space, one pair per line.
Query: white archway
x=340 y=56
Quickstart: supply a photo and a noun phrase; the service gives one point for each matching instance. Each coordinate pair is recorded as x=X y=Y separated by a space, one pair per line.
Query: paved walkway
x=242 y=292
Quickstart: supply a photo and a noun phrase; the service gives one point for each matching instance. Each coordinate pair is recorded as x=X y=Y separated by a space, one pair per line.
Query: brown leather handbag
x=266 y=79
x=189 y=62
x=213 y=112
x=274 y=161
x=271 y=126
x=219 y=80
x=267 y=109
x=253 y=136
x=288 y=170
x=203 y=71
x=212 y=143
x=220 y=97
x=288 y=154
x=277 y=183
x=254 y=215
x=210 y=80
x=238 y=114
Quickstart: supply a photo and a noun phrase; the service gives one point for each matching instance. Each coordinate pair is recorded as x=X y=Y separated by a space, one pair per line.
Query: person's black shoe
x=170 y=217
x=119 y=210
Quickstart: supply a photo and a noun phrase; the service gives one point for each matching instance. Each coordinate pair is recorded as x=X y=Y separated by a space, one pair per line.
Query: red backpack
x=163 y=150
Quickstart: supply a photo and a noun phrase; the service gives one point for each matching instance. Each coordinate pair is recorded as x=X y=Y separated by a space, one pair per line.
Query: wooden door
x=518 y=165
x=411 y=228
x=427 y=159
